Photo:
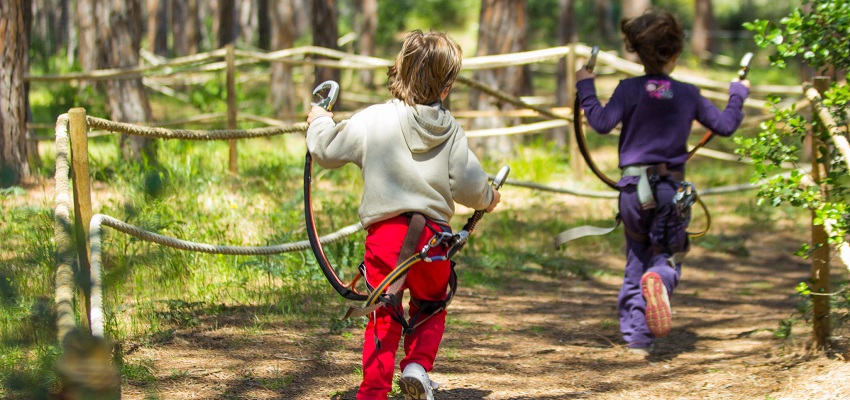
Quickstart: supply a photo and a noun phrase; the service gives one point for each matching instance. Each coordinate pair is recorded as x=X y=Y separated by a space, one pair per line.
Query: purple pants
x=641 y=258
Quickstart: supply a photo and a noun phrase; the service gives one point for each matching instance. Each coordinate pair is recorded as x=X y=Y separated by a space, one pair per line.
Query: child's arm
x=583 y=74
x=468 y=182
x=317 y=112
x=497 y=198
x=601 y=118
x=725 y=122
x=333 y=145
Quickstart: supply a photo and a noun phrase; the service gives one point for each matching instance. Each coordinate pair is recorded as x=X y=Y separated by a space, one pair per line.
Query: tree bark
x=15 y=22
x=632 y=9
x=120 y=24
x=604 y=15
x=87 y=46
x=366 y=29
x=702 y=44
x=227 y=32
x=248 y=21
x=503 y=28
x=158 y=26
x=282 y=89
x=185 y=27
x=263 y=25
x=566 y=35
x=325 y=34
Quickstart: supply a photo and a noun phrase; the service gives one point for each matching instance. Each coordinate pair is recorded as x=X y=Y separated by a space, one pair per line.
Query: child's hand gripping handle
x=591 y=63
x=497 y=183
x=333 y=92
x=458 y=240
x=745 y=66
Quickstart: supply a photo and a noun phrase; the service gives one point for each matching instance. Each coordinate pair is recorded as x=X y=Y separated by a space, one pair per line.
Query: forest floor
x=541 y=337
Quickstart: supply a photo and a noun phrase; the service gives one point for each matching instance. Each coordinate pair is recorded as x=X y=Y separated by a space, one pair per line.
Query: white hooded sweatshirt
x=412 y=159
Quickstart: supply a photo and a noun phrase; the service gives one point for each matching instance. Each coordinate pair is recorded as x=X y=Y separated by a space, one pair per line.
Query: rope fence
x=98 y=220
x=92 y=313
x=559 y=119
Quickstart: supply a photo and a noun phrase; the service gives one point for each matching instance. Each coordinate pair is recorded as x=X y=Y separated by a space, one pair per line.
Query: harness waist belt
x=643 y=172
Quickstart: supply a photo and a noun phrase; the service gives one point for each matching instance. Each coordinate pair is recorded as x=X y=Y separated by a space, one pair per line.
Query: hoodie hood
x=425 y=126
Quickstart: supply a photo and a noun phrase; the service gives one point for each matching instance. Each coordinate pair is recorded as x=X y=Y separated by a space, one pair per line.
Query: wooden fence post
x=82 y=203
x=576 y=160
x=821 y=253
x=231 y=106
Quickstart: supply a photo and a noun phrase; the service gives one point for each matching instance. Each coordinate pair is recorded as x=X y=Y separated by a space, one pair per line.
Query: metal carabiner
x=333 y=92
x=685 y=197
x=436 y=240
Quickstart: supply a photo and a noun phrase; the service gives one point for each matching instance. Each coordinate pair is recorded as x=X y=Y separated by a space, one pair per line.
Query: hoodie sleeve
x=601 y=118
x=469 y=183
x=334 y=145
x=723 y=123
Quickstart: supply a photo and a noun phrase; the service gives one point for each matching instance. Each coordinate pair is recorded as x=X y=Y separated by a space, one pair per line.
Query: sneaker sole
x=658 y=316
x=412 y=388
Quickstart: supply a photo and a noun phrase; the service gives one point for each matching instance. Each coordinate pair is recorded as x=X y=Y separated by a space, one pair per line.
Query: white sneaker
x=415 y=384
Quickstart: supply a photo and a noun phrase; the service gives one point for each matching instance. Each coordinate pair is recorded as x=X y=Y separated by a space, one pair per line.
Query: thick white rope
x=96 y=253
x=64 y=279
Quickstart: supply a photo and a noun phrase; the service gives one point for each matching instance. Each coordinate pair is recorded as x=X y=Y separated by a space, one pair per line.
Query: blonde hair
x=427 y=64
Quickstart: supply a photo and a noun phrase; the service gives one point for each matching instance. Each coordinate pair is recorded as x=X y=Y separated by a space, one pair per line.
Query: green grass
x=151 y=291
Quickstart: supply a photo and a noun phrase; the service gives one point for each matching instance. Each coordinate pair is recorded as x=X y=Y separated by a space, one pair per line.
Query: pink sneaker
x=658 y=316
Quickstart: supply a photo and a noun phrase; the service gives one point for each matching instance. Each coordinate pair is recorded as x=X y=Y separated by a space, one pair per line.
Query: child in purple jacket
x=656 y=112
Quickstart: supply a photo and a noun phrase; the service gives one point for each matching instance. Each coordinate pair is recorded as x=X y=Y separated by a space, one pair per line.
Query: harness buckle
x=685 y=197
x=439 y=238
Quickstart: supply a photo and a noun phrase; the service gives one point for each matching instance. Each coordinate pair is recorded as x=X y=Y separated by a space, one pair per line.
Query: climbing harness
x=387 y=293
x=684 y=199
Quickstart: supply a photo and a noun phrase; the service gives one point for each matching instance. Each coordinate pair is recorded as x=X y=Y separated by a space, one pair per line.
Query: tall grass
x=150 y=289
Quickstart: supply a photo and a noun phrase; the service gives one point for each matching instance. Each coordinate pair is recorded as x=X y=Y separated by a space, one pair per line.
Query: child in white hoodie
x=414 y=159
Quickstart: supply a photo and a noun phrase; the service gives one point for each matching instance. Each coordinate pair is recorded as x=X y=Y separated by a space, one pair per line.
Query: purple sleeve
x=601 y=119
x=725 y=122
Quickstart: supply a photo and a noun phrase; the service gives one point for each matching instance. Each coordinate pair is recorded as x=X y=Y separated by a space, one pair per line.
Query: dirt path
x=541 y=338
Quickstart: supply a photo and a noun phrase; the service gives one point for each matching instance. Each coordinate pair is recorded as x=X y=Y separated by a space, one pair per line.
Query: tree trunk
x=263 y=25
x=604 y=16
x=702 y=43
x=366 y=29
x=503 y=28
x=121 y=25
x=566 y=35
x=87 y=46
x=185 y=27
x=248 y=21
x=15 y=21
x=227 y=32
x=207 y=10
x=158 y=26
x=282 y=15
x=632 y=9
x=325 y=35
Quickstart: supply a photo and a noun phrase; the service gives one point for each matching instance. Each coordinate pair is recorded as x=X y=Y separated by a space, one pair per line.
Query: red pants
x=426 y=281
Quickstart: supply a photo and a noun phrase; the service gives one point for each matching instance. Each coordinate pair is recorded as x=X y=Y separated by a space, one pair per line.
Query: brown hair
x=656 y=36
x=427 y=64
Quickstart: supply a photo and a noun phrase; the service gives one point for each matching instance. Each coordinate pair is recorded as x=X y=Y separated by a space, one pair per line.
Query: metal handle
x=745 y=66
x=591 y=63
x=501 y=177
x=333 y=92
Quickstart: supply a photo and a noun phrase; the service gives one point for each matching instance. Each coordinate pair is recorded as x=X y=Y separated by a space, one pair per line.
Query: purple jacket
x=657 y=113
